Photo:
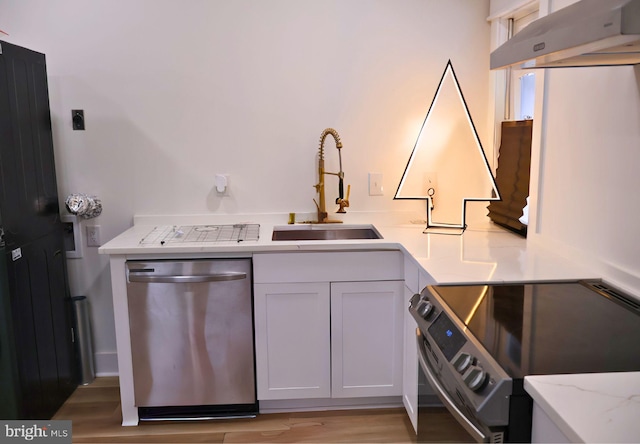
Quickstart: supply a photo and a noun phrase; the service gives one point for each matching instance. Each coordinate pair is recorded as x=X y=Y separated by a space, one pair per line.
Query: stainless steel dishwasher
x=192 y=345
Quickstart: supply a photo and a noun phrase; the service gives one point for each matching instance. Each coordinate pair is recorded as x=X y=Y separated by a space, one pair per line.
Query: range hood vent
x=586 y=33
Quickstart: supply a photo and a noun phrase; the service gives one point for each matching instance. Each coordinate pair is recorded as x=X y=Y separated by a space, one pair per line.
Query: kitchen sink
x=325 y=232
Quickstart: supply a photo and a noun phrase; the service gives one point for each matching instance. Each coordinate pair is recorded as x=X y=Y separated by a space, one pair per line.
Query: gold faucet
x=342 y=201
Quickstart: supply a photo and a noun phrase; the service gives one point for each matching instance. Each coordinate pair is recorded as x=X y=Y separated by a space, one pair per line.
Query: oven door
x=427 y=372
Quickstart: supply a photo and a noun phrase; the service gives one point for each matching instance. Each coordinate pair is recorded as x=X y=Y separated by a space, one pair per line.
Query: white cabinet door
x=545 y=429
x=366 y=338
x=410 y=371
x=292 y=340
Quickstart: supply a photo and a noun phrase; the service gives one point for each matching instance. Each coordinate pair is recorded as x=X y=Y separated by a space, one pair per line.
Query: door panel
x=29 y=199
x=292 y=340
x=19 y=275
x=41 y=311
x=366 y=338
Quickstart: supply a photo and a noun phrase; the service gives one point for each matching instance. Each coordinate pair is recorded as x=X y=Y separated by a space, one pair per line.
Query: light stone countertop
x=484 y=253
x=593 y=407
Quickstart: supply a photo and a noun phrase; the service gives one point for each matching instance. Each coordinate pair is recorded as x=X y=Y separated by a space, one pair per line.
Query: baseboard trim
x=106 y=363
x=310 y=405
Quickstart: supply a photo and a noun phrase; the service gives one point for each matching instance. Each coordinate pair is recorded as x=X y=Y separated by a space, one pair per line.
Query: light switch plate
x=375 y=184
x=72 y=236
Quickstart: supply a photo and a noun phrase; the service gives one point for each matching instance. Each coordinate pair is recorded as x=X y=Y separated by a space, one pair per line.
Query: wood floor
x=95 y=412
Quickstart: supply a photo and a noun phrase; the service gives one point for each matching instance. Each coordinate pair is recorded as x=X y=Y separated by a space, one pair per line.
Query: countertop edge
x=532 y=387
x=590 y=407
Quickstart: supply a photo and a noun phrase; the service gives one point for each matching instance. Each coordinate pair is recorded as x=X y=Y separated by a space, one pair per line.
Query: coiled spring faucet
x=323 y=217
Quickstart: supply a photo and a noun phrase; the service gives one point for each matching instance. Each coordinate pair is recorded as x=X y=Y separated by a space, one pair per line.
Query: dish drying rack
x=201 y=233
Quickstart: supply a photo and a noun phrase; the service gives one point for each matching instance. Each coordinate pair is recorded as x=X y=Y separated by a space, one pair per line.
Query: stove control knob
x=475 y=378
x=425 y=309
x=462 y=362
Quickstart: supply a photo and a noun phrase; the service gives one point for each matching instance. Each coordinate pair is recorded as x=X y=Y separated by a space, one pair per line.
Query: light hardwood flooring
x=95 y=412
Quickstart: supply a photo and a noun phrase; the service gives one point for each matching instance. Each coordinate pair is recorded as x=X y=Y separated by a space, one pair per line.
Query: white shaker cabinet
x=544 y=429
x=410 y=368
x=415 y=280
x=328 y=325
x=366 y=339
x=292 y=340
x=410 y=362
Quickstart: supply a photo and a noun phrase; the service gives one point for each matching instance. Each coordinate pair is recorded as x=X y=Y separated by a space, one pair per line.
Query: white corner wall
x=589 y=162
x=176 y=91
x=590 y=159
x=587 y=157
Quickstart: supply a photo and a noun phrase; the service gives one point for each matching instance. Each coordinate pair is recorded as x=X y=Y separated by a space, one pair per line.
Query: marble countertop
x=594 y=407
x=484 y=253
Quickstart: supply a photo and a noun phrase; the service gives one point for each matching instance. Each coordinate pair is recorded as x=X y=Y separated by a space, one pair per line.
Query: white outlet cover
x=375 y=184
x=93 y=235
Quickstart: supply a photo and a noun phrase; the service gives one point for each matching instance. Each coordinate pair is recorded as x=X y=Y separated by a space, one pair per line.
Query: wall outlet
x=93 y=235
x=431 y=183
x=375 y=184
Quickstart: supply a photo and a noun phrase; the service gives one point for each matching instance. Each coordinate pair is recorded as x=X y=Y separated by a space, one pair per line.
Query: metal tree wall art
x=448 y=166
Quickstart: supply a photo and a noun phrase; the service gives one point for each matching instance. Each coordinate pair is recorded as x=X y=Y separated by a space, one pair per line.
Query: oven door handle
x=444 y=396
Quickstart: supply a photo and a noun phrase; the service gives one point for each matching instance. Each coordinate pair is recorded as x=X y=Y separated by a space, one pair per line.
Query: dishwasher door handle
x=182 y=279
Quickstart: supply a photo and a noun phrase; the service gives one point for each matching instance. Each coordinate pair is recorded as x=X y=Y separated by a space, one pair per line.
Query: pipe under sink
x=324 y=232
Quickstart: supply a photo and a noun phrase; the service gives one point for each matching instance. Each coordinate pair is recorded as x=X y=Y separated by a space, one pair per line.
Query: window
x=515 y=133
x=527 y=92
x=521 y=82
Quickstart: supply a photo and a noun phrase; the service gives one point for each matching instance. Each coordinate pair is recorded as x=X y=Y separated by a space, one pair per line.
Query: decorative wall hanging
x=84 y=206
x=448 y=166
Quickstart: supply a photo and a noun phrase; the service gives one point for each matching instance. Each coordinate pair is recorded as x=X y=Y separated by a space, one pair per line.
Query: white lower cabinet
x=366 y=339
x=333 y=337
x=323 y=340
x=410 y=376
x=545 y=429
x=292 y=340
x=414 y=280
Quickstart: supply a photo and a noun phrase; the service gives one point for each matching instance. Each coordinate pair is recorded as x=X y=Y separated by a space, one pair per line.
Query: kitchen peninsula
x=484 y=254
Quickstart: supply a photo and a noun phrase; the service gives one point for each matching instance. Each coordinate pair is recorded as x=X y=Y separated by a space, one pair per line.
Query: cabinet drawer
x=328 y=267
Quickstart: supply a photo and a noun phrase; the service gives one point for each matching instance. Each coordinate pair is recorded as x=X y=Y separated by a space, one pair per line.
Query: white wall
x=498 y=8
x=588 y=163
x=176 y=91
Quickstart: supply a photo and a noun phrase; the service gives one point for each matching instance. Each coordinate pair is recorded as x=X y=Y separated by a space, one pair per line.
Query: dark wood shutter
x=512 y=175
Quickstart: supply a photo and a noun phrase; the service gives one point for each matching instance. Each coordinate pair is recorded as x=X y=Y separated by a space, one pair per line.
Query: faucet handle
x=344 y=202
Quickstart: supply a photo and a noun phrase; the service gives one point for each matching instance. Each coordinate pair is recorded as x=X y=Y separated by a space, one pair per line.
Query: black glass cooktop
x=550 y=328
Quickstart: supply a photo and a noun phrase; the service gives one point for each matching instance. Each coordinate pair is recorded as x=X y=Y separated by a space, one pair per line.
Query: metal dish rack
x=174 y=234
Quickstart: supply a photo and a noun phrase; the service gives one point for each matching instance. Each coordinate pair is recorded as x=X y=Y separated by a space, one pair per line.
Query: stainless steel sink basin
x=325 y=232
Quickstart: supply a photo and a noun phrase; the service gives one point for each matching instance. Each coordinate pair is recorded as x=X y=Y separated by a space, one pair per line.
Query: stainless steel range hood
x=586 y=33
